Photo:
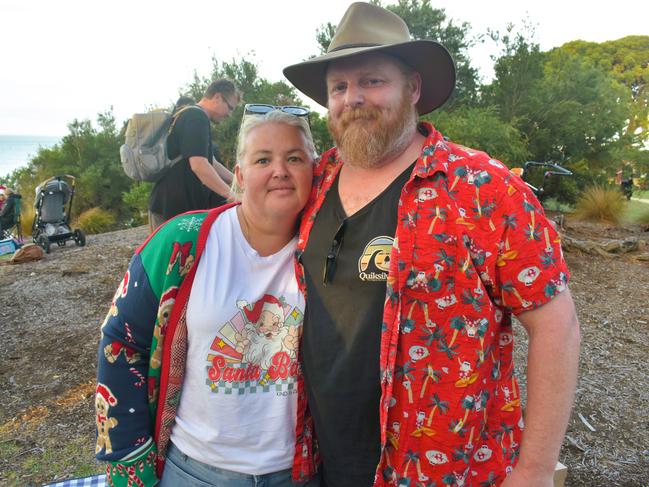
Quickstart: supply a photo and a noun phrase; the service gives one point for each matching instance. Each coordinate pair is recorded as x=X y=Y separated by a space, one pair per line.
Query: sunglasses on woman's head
x=262 y=108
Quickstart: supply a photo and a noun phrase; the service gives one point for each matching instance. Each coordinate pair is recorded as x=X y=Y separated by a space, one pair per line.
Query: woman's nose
x=280 y=169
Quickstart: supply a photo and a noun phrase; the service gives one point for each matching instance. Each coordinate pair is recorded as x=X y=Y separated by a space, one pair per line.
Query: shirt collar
x=435 y=153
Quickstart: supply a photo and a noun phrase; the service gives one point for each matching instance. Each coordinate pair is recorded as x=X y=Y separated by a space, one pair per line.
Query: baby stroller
x=52 y=222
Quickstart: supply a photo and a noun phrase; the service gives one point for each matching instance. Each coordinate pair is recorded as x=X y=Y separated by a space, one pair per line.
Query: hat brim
x=430 y=59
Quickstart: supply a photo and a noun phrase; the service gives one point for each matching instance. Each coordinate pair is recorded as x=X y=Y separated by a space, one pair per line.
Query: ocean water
x=17 y=150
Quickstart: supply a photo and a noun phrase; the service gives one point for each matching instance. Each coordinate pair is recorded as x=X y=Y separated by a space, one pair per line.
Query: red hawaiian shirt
x=472 y=247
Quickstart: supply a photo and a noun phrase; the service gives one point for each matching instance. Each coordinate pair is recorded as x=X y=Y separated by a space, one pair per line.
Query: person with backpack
x=187 y=184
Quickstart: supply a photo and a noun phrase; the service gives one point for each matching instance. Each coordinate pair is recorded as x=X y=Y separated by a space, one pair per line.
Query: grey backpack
x=144 y=153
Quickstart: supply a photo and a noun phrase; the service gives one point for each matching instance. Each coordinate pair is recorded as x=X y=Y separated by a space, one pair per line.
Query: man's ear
x=415 y=87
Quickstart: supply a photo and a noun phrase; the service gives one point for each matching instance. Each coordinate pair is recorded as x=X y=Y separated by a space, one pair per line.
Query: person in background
x=214 y=199
x=415 y=252
x=187 y=184
x=9 y=199
x=198 y=377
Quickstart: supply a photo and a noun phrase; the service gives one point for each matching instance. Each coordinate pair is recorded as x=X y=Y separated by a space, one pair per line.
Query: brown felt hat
x=367 y=28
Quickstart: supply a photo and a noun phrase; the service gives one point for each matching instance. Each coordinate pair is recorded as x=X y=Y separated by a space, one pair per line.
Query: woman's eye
x=295 y=159
x=263 y=160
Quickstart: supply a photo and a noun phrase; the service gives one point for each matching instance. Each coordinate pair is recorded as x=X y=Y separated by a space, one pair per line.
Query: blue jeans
x=181 y=470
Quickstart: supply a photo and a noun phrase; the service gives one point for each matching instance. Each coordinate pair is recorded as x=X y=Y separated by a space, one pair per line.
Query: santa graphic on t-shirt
x=265 y=333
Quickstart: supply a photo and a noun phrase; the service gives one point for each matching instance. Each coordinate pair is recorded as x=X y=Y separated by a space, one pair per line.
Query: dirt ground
x=50 y=313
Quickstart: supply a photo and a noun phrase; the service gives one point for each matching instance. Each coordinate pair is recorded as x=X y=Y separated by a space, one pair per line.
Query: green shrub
x=553 y=204
x=96 y=220
x=137 y=197
x=598 y=203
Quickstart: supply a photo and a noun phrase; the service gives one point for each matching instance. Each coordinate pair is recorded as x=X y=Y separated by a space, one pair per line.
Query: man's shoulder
x=192 y=114
x=475 y=162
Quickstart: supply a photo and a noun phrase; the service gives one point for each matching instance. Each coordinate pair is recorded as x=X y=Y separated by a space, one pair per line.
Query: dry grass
x=26 y=219
x=96 y=220
x=601 y=204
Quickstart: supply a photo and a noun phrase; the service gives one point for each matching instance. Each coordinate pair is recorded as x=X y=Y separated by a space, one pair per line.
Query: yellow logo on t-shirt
x=374 y=264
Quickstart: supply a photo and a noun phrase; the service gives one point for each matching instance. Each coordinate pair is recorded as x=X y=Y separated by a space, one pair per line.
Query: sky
x=67 y=59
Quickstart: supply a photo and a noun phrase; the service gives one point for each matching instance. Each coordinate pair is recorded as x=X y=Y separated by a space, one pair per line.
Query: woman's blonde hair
x=252 y=121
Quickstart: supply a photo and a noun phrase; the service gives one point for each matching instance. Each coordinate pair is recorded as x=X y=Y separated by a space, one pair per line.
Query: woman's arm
x=124 y=422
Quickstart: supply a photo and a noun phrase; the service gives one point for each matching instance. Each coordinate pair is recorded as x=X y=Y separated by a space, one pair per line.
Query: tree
x=89 y=154
x=518 y=70
x=426 y=22
x=323 y=36
x=483 y=128
x=565 y=107
x=579 y=112
x=320 y=132
x=627 y=60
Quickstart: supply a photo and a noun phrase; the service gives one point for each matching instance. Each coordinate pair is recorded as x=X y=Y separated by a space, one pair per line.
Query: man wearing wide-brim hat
x=415 y=252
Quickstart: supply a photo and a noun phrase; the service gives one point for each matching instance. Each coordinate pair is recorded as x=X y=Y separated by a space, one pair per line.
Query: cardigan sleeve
x=123 y=420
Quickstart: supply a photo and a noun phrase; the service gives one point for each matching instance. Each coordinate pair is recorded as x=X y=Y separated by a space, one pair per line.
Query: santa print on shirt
x=257 y=346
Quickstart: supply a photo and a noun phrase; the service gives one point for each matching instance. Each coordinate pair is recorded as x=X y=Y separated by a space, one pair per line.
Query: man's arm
x=208 y=175
x=553 y=358
x=222 y=171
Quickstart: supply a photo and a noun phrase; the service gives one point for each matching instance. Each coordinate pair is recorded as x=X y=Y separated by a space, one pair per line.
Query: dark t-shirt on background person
x=341 y=348
x=180 y=190
x=215 y=199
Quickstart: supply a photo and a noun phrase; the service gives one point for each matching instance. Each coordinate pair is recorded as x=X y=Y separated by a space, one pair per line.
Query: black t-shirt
x=342 y=331
x=180 y=190
x=215 y=199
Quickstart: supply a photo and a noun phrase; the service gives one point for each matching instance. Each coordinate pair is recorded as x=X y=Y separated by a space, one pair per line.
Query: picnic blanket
x=94 y=481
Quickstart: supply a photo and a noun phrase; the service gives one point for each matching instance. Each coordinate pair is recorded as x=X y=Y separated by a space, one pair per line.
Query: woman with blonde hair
x=198 y=379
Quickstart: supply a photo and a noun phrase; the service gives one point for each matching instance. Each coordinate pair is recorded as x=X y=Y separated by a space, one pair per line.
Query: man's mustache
x=355 y=114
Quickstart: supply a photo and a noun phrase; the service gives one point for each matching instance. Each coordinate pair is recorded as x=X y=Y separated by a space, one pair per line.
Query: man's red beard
x=368 y=137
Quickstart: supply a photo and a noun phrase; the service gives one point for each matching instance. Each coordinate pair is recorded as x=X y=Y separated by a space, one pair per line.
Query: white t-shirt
x=244 y=316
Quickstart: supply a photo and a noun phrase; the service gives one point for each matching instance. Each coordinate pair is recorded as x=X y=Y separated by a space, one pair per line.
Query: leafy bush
x=553 y=204
x=598 y=203
x=96 y=220
x=137 y=198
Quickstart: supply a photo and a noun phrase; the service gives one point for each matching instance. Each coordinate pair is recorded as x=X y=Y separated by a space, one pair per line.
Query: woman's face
x=276 y=171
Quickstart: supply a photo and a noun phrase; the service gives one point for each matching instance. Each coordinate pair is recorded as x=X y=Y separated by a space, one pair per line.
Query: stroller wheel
x=79 y=238
x=44 y=242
